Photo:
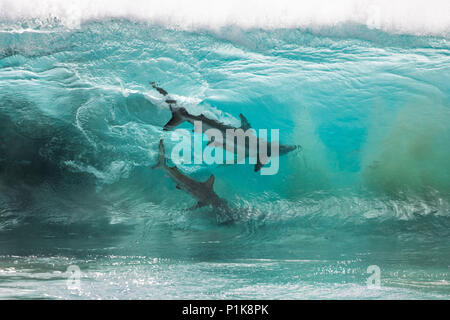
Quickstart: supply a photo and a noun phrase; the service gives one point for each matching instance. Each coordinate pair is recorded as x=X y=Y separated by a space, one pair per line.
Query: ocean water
x=362 y=86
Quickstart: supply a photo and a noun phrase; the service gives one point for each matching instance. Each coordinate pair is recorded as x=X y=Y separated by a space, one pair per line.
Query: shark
x=180 y=115
x=202 y=191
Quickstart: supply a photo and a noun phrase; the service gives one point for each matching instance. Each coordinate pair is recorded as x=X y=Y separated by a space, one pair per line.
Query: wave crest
x=402 y=16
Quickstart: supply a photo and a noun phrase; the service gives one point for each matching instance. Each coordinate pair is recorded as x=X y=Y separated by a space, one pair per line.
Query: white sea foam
x=431 y=17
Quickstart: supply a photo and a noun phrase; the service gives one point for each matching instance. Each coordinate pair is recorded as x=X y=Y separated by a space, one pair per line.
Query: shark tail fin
x=161 y=156
x=159 y=89
x=177 y=118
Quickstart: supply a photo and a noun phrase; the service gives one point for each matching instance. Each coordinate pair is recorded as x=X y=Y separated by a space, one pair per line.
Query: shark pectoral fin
x=210 y=182
x=258 y=166
x=245 y=125
x=198 y=205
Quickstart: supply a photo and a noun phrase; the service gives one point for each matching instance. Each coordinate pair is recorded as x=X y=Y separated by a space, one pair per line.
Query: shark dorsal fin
x=210 y=182
x=245 y=125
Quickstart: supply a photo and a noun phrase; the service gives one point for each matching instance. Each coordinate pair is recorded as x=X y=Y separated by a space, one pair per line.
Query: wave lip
x=402 y=16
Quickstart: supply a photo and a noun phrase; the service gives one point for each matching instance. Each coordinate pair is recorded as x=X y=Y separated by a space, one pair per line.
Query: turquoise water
x=80 y=126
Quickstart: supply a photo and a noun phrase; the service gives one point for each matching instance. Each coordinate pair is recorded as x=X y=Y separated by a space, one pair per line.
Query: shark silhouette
x=180 y=115
x=202 y=191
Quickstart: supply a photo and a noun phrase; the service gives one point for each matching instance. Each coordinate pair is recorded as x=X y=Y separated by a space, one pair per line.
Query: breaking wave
x=362 y=86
